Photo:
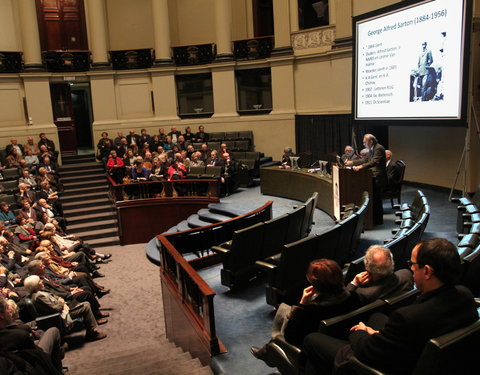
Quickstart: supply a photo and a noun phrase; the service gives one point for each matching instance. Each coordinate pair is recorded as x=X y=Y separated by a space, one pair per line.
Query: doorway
x=72 y=113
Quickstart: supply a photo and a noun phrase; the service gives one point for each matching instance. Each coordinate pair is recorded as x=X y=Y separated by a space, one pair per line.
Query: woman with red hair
x=326 y=297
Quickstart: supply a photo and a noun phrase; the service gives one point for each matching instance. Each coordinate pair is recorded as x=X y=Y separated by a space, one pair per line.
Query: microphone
x=315 y=162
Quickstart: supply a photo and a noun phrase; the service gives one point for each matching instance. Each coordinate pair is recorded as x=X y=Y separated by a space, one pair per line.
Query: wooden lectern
x=348 y=187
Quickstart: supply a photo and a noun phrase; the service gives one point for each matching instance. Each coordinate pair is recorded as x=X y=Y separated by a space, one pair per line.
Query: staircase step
x=83 y=181
x=104 y=241
x=73 y=209
x=89 y=217
x=93 y=234
x=82 y=227
x=81 y=172
x=76 y=159
x=87 y=197
x=183 y=225
x=211 y=217
x=83 y=177
x=85 y=189
x=227 y=209
x=195 y=222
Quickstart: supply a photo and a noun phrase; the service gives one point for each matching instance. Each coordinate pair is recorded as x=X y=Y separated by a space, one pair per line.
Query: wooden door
x=62 y=25
x=63 y=117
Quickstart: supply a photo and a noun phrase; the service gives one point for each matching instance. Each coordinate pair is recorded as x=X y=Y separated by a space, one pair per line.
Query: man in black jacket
x=394 y=343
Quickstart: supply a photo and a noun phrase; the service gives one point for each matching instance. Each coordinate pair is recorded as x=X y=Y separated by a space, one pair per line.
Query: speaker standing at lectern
x=376 y=160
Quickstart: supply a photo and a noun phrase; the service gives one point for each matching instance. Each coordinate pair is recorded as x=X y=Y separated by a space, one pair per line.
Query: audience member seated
x=51 y=196
x=286 y=162
x=168 y=144
x=158 y=172
x=104 y=146
x=123 y=148
x=31 y=146
x=44 y=141
x=27 y=178
x=188 y=135
x=349 y=154
x=43 y=176
x=162 y=136
x=52 y=170
x=393 y=344
x=181 y=143
x=44 y=152
x=6 y=215
x=133 y=140
x=2 y=167
x=174 y=134
x=43 y=208
x=154 y=143
x=47 y=303
x=30 y=214
x=201 y=136
x=31 y=159
x=144 y=138
x=326 y=297
x=196 y=160
x=214 y=160
x=16 y=337
x=115 y=167
x=25 y=231
x=205 y=152
x=118 y=140
x=24 y=193
x=14 y=145
x=13 y=159
x=379 y=280
x=139 y=172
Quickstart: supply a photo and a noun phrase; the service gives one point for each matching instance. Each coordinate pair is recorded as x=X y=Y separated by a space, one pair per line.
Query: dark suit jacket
x=390 y=286
x=398 y=345
x=47 y=142
x=137 y=139
x=377 y=161
x=122 y=150
x=394 y=172
x=10 y=146
x=31 y=194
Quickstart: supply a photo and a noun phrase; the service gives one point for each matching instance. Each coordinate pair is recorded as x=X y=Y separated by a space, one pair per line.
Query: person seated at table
x=326 y=297
x=115 y=167
x=349 y=154
x=286 y=162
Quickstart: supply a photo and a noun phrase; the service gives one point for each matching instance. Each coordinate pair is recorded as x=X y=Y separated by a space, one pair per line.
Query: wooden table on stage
x=297 y=184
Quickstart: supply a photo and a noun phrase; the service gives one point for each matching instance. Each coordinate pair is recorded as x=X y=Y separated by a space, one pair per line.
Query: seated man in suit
x=394 y=343
x=14 y=337
x=394 y=171
x=379 y=280
x=349 y=154
x=201 y=136
x=14 y=144
x=47 y=303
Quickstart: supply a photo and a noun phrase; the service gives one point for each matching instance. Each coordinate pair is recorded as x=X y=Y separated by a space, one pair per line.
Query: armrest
x=290 y=350
x=48 y=321
x=361 y=368
x=220 y=250
x=268 y=268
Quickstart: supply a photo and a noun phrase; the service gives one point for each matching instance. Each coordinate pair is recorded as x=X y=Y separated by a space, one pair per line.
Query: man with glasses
x=394 y=343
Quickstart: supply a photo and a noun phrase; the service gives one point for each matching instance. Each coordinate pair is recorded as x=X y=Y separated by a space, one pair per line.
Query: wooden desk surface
x=297 y=184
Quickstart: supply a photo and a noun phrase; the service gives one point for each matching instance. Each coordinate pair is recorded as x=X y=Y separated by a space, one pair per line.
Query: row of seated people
x=47 y=272
x=170 y=166
x=30 y=154
x=392 y=343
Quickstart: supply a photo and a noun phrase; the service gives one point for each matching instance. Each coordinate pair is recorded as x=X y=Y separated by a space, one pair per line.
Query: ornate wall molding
x=313 y=38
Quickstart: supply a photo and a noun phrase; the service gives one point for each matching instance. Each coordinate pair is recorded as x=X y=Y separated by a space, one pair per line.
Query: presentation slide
x=409 y=62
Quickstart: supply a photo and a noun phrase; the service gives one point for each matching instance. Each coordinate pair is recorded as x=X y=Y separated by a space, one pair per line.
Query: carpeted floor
x=135 y=305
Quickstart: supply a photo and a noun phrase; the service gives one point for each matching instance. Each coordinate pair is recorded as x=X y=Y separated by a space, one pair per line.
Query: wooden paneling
x=142 y=219
x=63 y=117
x=62 y=25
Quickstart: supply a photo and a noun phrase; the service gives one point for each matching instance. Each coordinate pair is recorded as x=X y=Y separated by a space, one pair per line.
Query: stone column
x=161 y=30
x=30 y=37
x=223 y=29
x=98 y=34
x=281 y=23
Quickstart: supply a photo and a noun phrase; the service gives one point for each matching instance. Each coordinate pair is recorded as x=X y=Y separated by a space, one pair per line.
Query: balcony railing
x=132 y=59
x=10 y=62
x=252 y=49
x=66 y=61
x=194 y=54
